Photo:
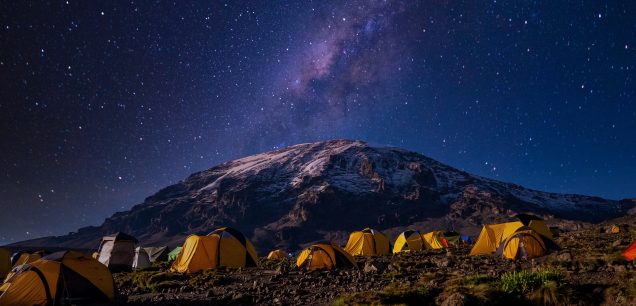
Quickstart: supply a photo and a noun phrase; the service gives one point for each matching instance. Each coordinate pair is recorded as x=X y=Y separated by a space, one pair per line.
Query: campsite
x=317 y=152
x=529 y=264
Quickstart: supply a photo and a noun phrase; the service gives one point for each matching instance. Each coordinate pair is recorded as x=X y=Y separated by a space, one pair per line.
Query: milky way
x=102 y=104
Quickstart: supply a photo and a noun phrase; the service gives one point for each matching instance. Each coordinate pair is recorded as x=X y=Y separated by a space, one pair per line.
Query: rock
x=565 y=257
x=443 y=262
x=617 y=243
x=455 y=299
x=374 y=267
x=619 y=268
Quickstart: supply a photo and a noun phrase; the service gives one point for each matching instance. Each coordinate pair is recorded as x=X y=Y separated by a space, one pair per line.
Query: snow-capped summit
x=322 y=190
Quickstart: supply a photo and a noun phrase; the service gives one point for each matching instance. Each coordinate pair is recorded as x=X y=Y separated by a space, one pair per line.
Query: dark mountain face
x=323 y=190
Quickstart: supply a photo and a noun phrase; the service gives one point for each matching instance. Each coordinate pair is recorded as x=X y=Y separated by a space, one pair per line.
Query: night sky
x=104 y=102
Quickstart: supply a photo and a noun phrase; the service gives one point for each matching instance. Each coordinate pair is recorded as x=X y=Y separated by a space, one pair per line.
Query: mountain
x=323 y=190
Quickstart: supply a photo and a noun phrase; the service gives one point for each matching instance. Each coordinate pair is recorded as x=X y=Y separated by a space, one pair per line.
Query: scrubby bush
x=525 y=281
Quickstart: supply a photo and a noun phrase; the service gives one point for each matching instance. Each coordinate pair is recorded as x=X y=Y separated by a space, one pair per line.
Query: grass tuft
x=525 y=281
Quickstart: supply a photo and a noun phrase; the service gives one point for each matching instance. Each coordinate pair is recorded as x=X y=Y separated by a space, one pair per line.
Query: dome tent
x=367 y=242
x=408 y=241
x=492 y=235
x=141 y=259
x=117 y=252
x=434 y=240
x=630 y=252
x=324 y=255
x=61 y=278
x=276 y=254
x=157 y=253
x=23 y=257
x=224 y=247
x=525 y=243
x=174 y=253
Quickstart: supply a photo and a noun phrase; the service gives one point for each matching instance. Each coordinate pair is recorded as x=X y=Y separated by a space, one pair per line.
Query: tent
x=117 y=252
x=141 y=259
x=452 y=238
x=224 y=247
x=434 y=240
x=157 y=253
x=492 y=235
x=367 y=242
x=174 y=253
x=324 y=255
x=5 y=262
x=465 y=239
x=22 y=258
x=630 y=252
x=276 y=255
x=614 y=229
x=408 y=241
x=62 y=278
x=525 y=243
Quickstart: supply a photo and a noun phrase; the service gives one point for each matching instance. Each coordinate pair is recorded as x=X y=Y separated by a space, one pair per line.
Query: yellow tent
x=433 y=240
x=60 y=278
x=276 y=255
x=367 y=242
x=22 y=258
x=224 y=247
x=408 y=241
x=615 y=229
x=324 y=255
x=5 y=262
x=492 y=235
x=524 y=243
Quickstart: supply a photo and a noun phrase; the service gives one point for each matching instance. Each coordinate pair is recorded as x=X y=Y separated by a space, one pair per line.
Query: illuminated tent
x=117 y=252
x=224 y=247
x=614 y=229
x=630 y=252
x=492 y=235
x=367 y=242
x=324 y=255
x=434 y=240
x=408 y=241
x=525 y=243
x=22 y=258
x=62 y=278
x=276 y=255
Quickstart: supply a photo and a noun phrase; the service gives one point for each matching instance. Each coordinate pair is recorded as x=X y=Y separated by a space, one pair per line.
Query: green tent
x=452 y=238
x=174 y=253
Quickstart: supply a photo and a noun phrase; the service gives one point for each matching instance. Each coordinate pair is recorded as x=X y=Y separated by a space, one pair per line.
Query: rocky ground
x=588 y=270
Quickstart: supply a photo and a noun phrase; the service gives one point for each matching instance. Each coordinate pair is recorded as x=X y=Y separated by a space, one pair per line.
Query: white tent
x=117 y=252
x=141 y=260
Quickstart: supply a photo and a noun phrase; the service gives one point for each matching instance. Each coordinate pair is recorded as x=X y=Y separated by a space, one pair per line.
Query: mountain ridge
x=306 y=192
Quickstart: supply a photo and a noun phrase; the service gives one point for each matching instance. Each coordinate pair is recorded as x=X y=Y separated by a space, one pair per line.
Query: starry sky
x=104 y=102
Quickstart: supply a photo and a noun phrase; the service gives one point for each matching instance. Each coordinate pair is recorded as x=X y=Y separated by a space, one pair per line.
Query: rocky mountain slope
x=588 y=270
x=323 y=190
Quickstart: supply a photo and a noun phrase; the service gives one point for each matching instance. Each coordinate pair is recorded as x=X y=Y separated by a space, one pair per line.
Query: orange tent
x=630 y=252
